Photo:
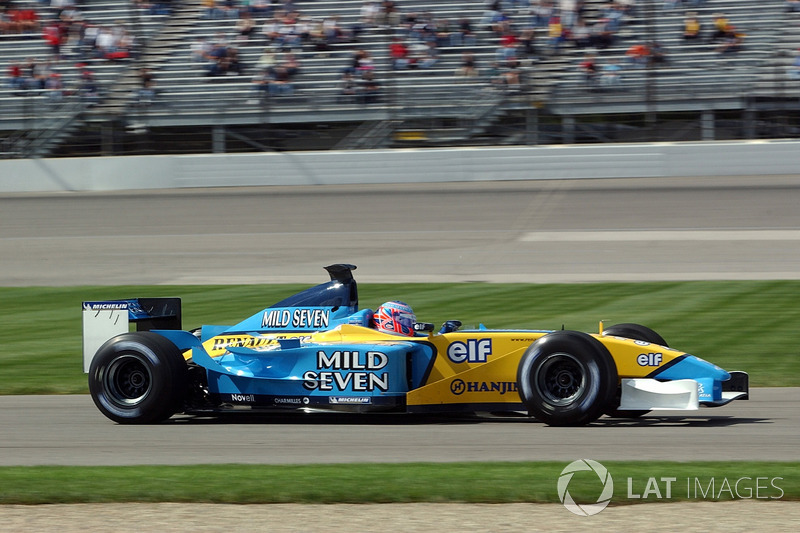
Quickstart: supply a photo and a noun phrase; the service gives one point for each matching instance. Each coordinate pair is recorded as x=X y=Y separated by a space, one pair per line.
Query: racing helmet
x=395 y=317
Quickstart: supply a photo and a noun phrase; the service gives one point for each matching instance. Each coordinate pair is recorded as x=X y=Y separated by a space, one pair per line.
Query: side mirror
x=450 y=326
x=424 y=327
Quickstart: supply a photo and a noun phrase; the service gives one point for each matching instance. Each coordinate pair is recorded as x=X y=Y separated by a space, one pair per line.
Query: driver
x=396 y=318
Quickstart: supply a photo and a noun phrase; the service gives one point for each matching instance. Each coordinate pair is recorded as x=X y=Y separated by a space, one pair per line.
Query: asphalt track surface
x=544 y=231
x=560 y=231
x=69 y=430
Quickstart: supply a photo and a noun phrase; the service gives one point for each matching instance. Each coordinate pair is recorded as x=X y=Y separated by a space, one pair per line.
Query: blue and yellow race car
x=316 y=350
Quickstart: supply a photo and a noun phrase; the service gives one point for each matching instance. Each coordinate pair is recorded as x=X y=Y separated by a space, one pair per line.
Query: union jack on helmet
x=395 y=317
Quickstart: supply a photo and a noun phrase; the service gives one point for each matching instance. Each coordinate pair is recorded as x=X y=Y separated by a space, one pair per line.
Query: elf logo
x=649 y=359
x=470 y=351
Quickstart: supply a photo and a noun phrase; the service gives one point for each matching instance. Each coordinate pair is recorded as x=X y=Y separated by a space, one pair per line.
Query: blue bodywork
x=269 y=368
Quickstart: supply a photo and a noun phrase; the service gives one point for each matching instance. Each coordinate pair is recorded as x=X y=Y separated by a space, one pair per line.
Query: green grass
x=740 y=325
x=744 y=325
x=391 y=483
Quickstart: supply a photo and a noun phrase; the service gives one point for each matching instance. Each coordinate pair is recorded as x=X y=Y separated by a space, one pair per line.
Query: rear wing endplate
x=103 y=320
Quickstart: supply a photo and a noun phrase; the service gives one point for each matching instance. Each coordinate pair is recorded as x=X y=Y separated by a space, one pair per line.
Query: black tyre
x=636 y=332
x=567 y=378
x=138 y=378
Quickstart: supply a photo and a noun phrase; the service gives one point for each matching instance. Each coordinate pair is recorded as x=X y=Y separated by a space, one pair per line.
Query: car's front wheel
x=138 y=378
x=567 y=378
x=636 y=332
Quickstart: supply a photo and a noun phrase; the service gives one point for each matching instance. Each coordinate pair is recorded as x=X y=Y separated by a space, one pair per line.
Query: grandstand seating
x=696 y=77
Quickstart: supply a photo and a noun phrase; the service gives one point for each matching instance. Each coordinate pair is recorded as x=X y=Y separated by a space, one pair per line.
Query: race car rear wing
x=107 y=319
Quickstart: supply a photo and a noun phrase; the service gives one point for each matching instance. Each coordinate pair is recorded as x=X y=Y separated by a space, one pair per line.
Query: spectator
x=234 y=67
x=267 y=61
x=588 y=70
x=430 y=55
x=658 y=55
x=491 y=17
x=210 y=9
x=792 y=6
x=270 y=31
x=288 y=37
x=399 y=54
x=88 y=90
x=53 y=35
x=507 y=53
x=333 y=32
x=794 y=69
x=105 y=42
x=369 y=13
x=731 y=41
x=245 y=26
x=495 y=75
x=201 y=49
x=34 y=74
x=443 y=32
x=555 y=34
x=389 y=15
x=362 y=62
x=226 y=62
x=26 y=20
x=721 y=24
x=691 y=27
x=611 y=74
x=541 y=13
x=291 y=64
x=261 y=8
x=15 y=79
x=147 y=89
x=468 y=68
x=260 y=85
x=526 y=42
x=568 y=10
x=5 y=22
x=281 y=82
x=602 y=36
x=54 y=87
x=614 y=13
x=349 y=87
x=512 y=80
x=369 y=89
x=581 y=35
x=463 y=35
x=228 y=8
x=638 y=55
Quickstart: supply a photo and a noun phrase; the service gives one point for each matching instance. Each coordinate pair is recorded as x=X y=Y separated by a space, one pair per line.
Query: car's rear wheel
x=567 y=378
x=636 y=332
x=138 y=378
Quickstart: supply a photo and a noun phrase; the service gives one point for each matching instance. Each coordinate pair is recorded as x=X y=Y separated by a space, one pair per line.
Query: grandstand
x=698 y=93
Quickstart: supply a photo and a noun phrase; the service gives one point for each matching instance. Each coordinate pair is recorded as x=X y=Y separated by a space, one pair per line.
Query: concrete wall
x=386 y=166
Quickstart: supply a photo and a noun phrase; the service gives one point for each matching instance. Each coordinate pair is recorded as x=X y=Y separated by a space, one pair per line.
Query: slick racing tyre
x=567 y=378
x=138 y=378
x=636 y=332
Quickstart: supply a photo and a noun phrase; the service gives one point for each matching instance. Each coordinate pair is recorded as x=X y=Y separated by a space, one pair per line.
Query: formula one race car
x=317 y=351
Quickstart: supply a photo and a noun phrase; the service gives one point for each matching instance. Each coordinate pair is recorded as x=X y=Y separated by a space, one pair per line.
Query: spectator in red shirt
x=399 y=53
x=27 y=20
